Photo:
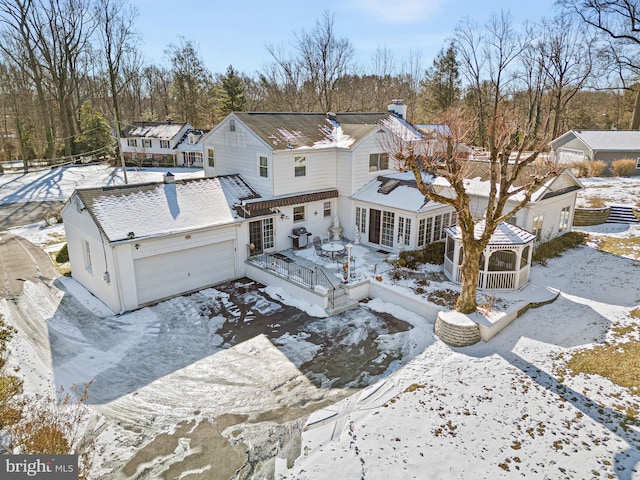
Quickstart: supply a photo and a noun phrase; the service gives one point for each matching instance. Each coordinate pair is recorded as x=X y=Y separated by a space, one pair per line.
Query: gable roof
x=163 y=130
x=155 y=209
x=439 y=128
x=284 y=131
x=606 y=140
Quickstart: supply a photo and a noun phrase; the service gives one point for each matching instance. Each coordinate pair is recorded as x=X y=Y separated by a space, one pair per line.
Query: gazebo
x=505 y=262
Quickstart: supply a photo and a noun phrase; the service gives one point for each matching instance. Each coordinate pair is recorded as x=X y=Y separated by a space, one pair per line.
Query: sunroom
x=505 y=263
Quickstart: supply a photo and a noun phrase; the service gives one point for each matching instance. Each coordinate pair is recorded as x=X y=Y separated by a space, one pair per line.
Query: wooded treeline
x=71 y=71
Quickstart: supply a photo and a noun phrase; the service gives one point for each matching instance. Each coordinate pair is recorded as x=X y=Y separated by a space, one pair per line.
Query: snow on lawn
x=612 y=190
x=498 y=409
x=57 y=184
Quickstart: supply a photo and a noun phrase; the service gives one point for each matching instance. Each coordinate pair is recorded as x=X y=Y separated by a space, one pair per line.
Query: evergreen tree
x=233 y=98
x=441 y=86
x=96 y=136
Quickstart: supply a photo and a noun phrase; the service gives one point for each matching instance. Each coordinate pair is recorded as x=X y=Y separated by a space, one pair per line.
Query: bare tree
x=566 y=56
x=116 y=35
x=618 y=20
x=190 y=81
x=19 y=45
x=489 y=58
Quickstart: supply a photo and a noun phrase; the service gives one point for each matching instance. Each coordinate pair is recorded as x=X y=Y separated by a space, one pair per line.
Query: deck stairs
x=621 y=214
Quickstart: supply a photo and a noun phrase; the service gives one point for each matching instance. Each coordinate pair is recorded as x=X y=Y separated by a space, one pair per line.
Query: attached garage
x=133 y=245
x=191 y=269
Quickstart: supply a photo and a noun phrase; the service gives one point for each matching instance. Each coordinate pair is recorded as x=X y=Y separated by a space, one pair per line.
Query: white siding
x=238 y=152
x=79 y=228
x=360 y=169
x=320 y=171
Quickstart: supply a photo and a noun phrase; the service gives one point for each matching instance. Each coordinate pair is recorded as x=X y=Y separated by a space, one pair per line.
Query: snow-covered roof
x=162 y=130
x=505 y=234
x=154 y=209
x=397 y=190
x=441 y=128
x=607 y=140
x=283 y=131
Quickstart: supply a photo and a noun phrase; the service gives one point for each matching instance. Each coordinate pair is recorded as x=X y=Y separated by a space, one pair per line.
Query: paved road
x=22 y=261
x=18 y=214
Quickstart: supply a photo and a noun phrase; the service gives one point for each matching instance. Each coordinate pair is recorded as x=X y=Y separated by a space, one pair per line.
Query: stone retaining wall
x=457 y=334
x=636 y=213
x=590 y=216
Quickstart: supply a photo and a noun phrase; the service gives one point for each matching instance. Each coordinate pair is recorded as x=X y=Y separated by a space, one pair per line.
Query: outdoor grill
x=300 y=237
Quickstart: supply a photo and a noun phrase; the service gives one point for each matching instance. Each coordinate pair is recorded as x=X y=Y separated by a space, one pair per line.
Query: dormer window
x=192 y=139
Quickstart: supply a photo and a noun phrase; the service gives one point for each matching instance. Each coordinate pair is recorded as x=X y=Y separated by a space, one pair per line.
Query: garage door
x=163 y=276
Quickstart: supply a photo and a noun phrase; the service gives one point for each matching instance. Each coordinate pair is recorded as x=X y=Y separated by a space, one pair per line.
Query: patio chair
x=317 y=244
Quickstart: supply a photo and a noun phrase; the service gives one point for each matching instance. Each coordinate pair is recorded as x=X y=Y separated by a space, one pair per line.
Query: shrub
x=433 y=253
x=623 y=168
x=580 y=169
x=596 y=167
x=555 y=247
x=595 y=202
x=63 y=255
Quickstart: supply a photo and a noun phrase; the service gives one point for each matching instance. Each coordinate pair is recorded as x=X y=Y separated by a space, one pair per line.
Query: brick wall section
x=457 y=335
x=590 y=216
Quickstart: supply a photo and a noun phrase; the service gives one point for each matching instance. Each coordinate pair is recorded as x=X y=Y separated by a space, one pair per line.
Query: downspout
x=112 y=278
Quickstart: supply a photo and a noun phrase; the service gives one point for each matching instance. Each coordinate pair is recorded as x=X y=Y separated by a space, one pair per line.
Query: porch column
x=485 y=269
x=518 y=268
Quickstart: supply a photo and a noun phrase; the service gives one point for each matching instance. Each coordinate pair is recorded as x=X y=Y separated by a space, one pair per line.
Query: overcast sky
x=236 y=32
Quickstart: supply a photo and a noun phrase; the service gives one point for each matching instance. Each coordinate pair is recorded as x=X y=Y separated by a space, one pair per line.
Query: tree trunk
x=635 y=121
x=470 y=269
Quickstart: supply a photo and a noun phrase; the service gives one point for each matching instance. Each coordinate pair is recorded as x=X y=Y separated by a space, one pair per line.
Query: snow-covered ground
x=502 y=409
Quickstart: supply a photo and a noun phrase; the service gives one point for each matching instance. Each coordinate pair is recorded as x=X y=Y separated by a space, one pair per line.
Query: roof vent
x=169 y=178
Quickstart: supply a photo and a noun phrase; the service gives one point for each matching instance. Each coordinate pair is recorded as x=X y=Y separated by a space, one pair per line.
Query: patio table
x=333 y=248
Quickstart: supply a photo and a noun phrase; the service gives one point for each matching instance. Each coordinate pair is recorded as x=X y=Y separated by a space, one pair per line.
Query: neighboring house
x=605 y=145
x=188 y=151
x=136 y=244
x=155 y=143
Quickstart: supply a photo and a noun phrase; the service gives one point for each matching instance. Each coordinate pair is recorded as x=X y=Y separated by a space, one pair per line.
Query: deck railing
x=294 y=272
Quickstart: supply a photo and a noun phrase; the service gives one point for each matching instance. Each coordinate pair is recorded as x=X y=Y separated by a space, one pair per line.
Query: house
x=136 y=244
x=165 y=144
x=604 y=145
x=268 y=176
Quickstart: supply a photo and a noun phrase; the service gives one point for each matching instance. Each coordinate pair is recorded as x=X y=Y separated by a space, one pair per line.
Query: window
x=425 y=229
x=421 y=232
x=146 y=143
x=211 y=157
x=327 y=209
x=564 y=219
x=132 y=142
x=361 y=219
x=404 y=230
x=191 y=157
x=232 y=125
x=86 y=252
x=300 y=166
x=512 y=219
x=298 y=214
x=437 y=228
x=638 y=162
x=164 y=144
x=263 y=166
x=267 y=231
x=378 y=161
x=536 y=229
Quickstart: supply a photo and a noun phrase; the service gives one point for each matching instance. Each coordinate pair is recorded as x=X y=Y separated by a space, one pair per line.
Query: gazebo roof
x=505 y=234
